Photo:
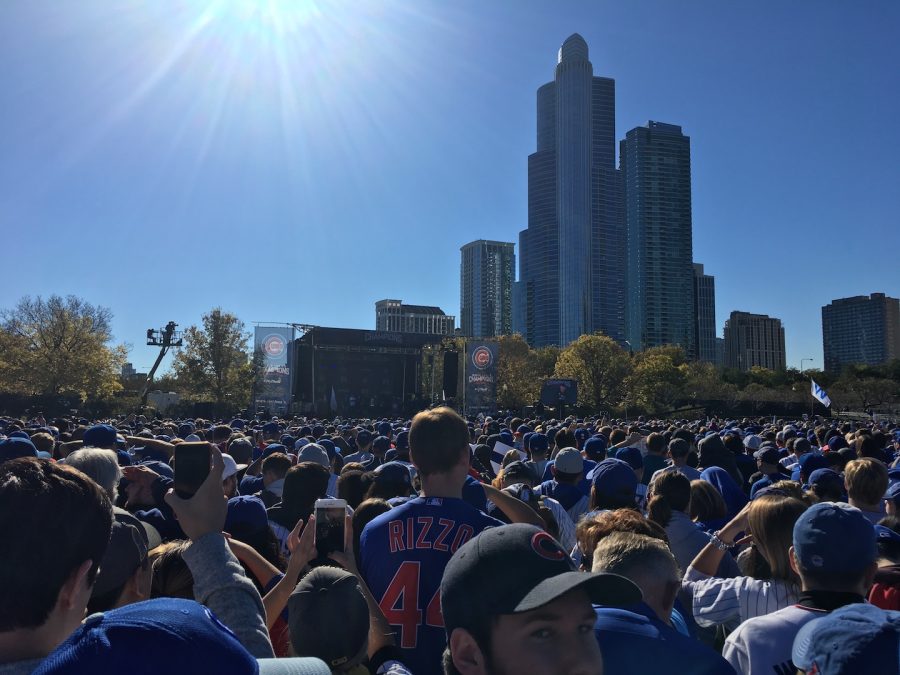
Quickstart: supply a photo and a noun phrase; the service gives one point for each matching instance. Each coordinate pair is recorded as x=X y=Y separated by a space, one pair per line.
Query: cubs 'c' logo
x=273 y=346
x=547 y=547
x=482 y=358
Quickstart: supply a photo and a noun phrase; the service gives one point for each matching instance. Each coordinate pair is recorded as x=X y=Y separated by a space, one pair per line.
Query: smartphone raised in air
x=330 y=514
x=191 y=467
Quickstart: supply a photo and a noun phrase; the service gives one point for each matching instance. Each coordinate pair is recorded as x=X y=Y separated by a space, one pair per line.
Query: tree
x=657 y=382
x=59 y=346
x=215 y=364
x=521 y=371
x=600 y=365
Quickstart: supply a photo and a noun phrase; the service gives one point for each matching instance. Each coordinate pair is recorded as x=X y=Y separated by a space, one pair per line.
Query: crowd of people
x=470 y=546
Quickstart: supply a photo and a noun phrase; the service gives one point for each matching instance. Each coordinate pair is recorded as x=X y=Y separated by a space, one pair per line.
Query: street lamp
x=801 y=364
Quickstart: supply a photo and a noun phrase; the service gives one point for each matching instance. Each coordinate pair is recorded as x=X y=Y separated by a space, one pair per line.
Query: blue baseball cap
x=595 y=447
x=159 y=633
x=384 y=429
x=834 y=538
x=271 y=429
x=99 y=436
x=507 y=438
x=615 y=478
x=582 y=435
x=893 y=492
x=884 y=535
x=15 y=447
x=245 y=512
x=162 y=468
x=826 y=478
x=272 y=448
x=363 y=438
x=538 y=442
x=857 y=638
x=402 y=441
x=632 y=457
x=393 y=472
x=381 y=445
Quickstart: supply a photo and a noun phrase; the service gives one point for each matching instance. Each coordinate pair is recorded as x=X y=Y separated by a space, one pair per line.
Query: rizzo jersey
x=403 y=554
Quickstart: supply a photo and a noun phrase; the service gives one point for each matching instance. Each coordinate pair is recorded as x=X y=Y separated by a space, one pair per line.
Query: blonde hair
x=771 y=521
x=866 y=480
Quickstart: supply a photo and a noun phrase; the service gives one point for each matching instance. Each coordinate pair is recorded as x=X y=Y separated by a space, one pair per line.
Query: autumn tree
x=215 y=363
x=521 y=371
x=657 y=381
x=601 y=367
x=59 y=346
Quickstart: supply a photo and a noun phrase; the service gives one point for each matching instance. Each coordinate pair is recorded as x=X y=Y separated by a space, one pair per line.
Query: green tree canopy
x=215 y=363
x=59 y=346
x=601 y=367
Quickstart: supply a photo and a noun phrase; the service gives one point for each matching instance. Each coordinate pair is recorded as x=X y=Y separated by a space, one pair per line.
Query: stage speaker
x=451 y=373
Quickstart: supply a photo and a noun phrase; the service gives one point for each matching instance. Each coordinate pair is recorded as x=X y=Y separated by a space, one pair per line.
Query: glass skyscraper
x=655 y=162
x=572 y=253
x=705 y=305
x=861 y=329
x=487 y=269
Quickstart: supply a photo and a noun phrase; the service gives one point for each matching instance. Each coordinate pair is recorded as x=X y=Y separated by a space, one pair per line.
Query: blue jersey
x=403 y=554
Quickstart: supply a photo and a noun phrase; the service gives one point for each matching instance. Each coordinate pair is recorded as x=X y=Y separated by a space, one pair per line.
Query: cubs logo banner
x=481 y=377
x=275 y=345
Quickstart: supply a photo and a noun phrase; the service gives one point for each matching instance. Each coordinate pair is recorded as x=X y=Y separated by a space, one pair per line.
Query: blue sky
x=297 y=160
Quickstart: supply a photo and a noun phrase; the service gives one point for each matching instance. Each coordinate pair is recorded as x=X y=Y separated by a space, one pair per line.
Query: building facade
x=861 y=329
x=395 y=317
x=487 y=270
x=754 y=340
x=571 y=256
x=655 y=164
x=705 y=312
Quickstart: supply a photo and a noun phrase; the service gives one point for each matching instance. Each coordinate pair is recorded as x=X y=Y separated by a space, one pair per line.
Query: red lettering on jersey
x=463 y=534
x=448 y=525
x=410 y=532
x=395 y=535
x=421 y=542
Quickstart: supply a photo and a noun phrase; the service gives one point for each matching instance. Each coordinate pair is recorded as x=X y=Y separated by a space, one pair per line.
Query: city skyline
x=143 y=160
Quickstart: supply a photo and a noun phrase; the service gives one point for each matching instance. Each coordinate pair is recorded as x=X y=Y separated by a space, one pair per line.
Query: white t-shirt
x=762 y=646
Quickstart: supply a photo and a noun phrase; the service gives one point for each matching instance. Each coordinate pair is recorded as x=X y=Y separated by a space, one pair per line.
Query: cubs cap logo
x=273 y=345
x=482 y=358
x=547 y=547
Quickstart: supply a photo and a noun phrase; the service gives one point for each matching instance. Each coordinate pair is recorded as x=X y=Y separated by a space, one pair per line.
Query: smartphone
x=330 y=514
x=191 y=467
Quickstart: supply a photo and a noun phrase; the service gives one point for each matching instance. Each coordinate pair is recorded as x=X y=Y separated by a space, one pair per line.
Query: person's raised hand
x=140 y=474
x=346 y=558
x=204 y=512
x=302 y=545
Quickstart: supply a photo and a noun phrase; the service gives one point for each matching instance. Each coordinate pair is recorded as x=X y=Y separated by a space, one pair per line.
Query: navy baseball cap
x=381 y=444
x=826 y=478
x=632 y=457
x=834 y=538
x=271 y=429
x=393 y=472
x=384 y=429
x=15 y=447
x=159 y=633
x=767 y=455
x=519 y=471
x=245 y=512
x=615 y=478
x=518 y=568
x=363 y=437
x=99 y=436
x=272 y=448
x=595 y=447
x=162 y=468
x=538 y=442
x=884 y=535
x=893 y=492
x=857 y=638
x=582 y=435
x=507 y=438
x=402 y=441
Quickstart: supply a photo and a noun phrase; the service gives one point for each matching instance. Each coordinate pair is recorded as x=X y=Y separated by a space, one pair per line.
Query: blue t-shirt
x=635 y=640
x=403 y=554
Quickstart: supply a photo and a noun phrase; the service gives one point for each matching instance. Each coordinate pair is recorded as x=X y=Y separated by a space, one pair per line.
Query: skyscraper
x=861 y=330
x=395 y=317
x=705 y=306
x=754 y=340
x=487 y=269
x=571 y=254
x=655 y=163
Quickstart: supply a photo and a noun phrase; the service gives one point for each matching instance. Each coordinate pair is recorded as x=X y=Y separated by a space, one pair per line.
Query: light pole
x=801 y=364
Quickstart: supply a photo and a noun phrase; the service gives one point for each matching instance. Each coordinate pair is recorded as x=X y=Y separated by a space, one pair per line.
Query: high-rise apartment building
x=861 y=330
x=487 y=270
x=571 y=256
x=705 y=312
x=655 y=164
x=393 y=316
x=754 y=340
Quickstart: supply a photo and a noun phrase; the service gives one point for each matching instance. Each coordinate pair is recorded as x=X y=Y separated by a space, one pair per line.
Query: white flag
x=819 y=393
x=499 y=452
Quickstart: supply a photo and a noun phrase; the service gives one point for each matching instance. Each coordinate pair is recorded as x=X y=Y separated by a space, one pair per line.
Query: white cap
x=192 y=438
x=231 y=467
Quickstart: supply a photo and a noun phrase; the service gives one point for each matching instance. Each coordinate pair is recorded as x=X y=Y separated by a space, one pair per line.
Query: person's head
x=124 y=575
x=568 y=467
x=170 y=575
x=633 y=457
x=439 y=444
x=887 y=533
x=303 y=485
x=229 y=476
x=248 y=522
x=512 y=601
x=595 y=527
x=671 y=491
x=102 y=466
x=389 y=480
x=55 y=524
x=679 y=449
x=538 y=446
x=515 y=473
x=767 y=460
x=329 y=618
x=834 y=548
x=771 y=522
x=275 y=467
x=351 y=488
x=707 y=504
x=656 y=444
x=363 y=514
x=613 y=485
x=866 y=481
x=648 y=562
x=826 y=485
